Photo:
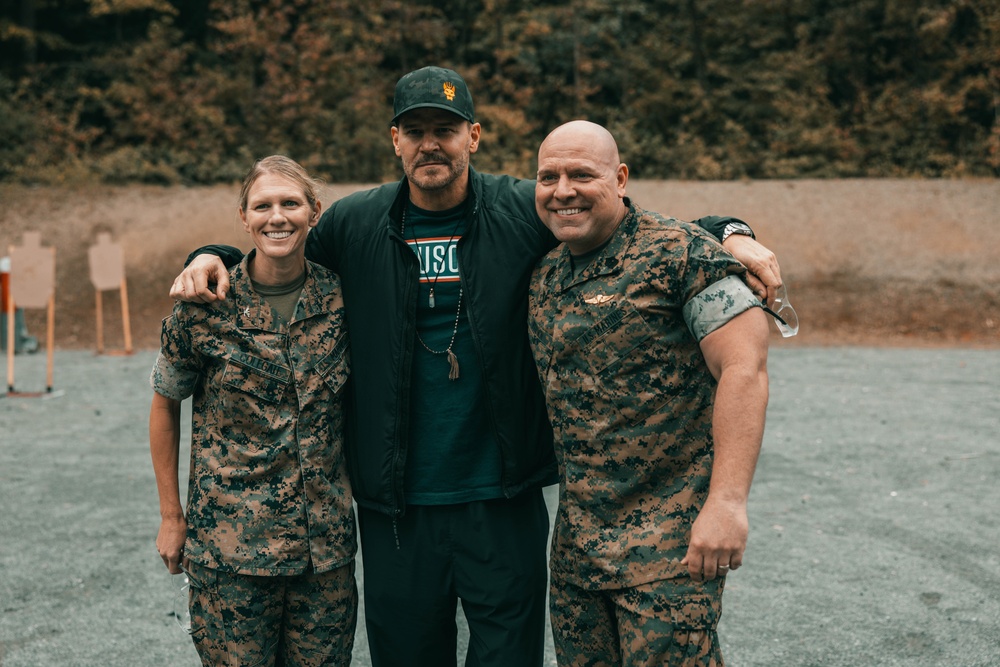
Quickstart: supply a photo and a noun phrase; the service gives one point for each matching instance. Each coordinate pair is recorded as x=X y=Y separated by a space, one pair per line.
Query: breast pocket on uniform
x=626 y=363
x=261 y=383
x=335 y=367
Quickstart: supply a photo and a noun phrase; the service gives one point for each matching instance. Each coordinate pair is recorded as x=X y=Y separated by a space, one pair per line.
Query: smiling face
x=580 y=190
x=434 y=146
x=277 y=215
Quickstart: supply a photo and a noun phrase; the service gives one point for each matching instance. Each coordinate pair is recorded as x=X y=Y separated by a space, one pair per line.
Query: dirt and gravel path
x=874 y=517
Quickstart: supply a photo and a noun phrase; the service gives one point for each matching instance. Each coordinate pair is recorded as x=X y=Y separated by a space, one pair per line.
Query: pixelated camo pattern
x=268 y=491
x=629 y=396
x=307 y=620
x=659 y=623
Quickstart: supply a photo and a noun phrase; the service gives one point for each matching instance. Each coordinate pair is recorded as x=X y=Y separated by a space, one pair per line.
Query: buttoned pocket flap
x=258 y=377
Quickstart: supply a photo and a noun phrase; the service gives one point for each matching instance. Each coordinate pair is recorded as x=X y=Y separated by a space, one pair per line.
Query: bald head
x=582 y=133
x=580 y=190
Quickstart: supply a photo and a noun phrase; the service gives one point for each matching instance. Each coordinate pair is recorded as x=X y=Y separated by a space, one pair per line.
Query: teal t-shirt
x=453 y=456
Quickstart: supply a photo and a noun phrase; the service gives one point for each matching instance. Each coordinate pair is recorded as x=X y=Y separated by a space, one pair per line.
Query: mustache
x=433 y=157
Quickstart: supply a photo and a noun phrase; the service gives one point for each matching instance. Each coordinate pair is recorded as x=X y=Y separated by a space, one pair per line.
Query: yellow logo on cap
x=449 y=90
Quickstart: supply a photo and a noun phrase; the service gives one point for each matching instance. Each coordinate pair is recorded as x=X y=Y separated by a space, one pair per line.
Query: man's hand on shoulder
x=195 y=283
x=763 y=272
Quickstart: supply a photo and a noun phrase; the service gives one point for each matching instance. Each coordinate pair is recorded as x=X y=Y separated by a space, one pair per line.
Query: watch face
x=736 y=228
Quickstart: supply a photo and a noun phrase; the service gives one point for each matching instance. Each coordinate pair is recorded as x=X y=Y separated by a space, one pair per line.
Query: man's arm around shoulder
x=205 y=278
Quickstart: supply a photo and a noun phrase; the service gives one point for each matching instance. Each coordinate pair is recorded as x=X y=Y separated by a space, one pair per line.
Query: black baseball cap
x=433 y=87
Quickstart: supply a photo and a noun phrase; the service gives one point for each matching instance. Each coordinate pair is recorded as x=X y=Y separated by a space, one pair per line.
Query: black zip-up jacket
x=359 y=238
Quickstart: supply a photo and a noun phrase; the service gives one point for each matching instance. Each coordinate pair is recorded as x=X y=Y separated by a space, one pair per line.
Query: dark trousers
x=490 y=554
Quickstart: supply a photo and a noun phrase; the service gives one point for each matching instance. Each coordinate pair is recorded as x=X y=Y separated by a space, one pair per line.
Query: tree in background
x=191 y=91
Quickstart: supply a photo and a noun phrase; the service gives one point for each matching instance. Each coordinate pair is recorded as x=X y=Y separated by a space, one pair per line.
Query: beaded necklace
x=452 y=359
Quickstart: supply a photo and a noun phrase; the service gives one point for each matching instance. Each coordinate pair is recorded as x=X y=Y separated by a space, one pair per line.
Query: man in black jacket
x=448 y=442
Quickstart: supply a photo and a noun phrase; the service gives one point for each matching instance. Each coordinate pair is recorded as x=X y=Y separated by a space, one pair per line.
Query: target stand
x=107 y=272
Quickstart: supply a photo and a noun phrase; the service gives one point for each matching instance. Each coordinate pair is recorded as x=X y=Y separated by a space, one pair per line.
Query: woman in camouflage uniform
x=268 y=536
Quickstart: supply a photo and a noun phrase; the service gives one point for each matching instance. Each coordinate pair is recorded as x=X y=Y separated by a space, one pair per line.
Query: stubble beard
x=455 y=169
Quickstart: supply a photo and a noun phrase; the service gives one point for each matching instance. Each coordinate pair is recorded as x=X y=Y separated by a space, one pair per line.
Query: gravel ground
x=874 y=523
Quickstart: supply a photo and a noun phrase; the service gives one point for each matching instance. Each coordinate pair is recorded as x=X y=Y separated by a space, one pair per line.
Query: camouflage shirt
x=268 y=491
x=629 y=394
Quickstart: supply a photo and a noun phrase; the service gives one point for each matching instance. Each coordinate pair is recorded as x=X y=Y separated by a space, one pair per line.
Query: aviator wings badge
x=598 y=299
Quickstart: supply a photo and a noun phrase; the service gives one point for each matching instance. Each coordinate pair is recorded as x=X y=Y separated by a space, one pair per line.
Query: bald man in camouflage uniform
x=652 y=353
x=268 y=532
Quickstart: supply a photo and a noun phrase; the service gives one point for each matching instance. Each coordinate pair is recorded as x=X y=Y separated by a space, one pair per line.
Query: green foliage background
x=192 y=91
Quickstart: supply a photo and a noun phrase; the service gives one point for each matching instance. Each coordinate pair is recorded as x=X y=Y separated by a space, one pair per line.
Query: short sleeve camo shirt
x=629 y=394
x=268 y=491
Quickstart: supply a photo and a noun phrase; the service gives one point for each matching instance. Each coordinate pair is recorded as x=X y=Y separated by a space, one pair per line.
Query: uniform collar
x=254 y=312
x=608 y=260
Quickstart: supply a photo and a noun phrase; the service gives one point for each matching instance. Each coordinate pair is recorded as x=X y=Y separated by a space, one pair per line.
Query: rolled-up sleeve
x=717 y=304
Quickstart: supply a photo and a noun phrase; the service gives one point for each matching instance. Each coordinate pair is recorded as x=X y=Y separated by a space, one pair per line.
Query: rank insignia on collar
x=449 y=90
x=598 y=300
x=246 y=312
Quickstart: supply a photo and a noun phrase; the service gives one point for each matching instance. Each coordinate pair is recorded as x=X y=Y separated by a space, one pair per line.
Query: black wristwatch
x=737 y=228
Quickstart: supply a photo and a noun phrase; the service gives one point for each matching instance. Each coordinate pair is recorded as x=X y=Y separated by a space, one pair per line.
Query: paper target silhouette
x=107 y=272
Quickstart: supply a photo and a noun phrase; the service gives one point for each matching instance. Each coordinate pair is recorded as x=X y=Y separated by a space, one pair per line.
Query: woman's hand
x=170 y=543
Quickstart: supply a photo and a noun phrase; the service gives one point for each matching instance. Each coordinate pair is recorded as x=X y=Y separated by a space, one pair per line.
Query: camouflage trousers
x=303 y=620
x=662 y=623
